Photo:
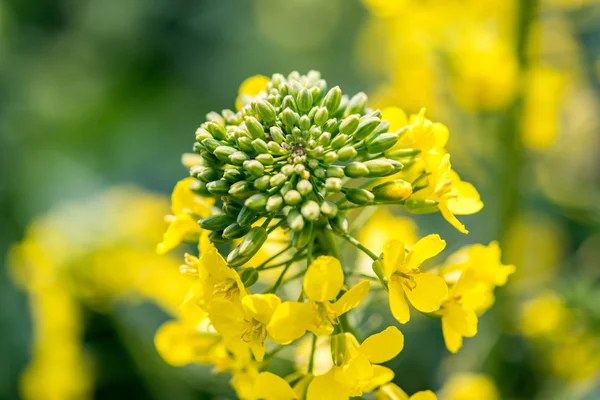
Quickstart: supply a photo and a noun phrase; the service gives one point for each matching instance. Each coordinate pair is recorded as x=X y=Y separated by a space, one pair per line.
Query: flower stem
x=358 y=245
x=375 y=203
x=311 y=360
x=262 y=266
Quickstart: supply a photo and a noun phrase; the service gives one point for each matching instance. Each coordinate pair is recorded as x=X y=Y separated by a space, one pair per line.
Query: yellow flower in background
x=91 y=254
x=391 y=391
x=186 y=208
x=425 y=291
x=356 y=370
x=473 y=273
x=546 y=315
x=322 y=283
x=180 y=343
x=249 y=89
x=468 y=386
x=576 y=359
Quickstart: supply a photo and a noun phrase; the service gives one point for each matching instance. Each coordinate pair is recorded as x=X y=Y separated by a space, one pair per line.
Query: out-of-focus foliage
x=95 y=93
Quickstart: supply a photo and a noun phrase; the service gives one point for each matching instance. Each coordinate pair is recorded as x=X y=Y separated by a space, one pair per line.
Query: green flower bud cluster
x=286 y=154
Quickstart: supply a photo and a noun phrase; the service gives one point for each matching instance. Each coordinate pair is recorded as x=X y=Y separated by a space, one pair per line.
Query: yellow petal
x=227 y=318
x=381 y=376
x=178 y=229
x=424 y=395
x=429 y=292
x=462 y=320
x=257 y=347
x=452 y=338
x=352 y=298
x=383 y=346
x=180 y=344
x=395 y=116
x=323 y=279
x=355 y=374
x=390 y=391
x=393 y=256
x=269 y=386
x=448 y=216
x=290 y=321
x=426 y=248
x=250 y=88
x=183 y=200
x=398 y=304
x=261 y=306
x=468 y=200
x=327 y=387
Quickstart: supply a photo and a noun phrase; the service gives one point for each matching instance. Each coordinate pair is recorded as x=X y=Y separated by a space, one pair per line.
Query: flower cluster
x=277 y=183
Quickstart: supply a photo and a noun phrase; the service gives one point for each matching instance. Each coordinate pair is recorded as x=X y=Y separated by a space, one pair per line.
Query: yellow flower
x=186 y=208
x=454 y=196
x=246 y=322
x=391 y=391
x=467 y=386
x=474 y=272
x=250 y=88
x=358 y=371
x=180 y=343
x=426 y=291
x=216 y=280
x=545 y=315
x=323 y=281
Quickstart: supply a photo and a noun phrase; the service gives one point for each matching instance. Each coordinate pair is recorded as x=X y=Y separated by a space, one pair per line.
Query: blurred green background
x=101 y=92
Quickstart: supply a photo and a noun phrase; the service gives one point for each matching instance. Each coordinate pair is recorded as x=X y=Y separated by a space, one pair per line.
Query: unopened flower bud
x=241 y=189
x=393 y=190
x=325 y=138
x=274 y=203
x=331 y=157
x=382 y=142
x=245 y=144
x=262 y=183
x=365 y=127
x=235 y=231
x=333 y=185
x=202 y=134
x=211 y=144
x=349 y=124
x=292 y=197
x=329 y=209
x=304 y=100
x=310 y=210
x=339 y=141
x=253 y=241
x=249 y=276
x=331 y=125
x=246 y=216
x=339 y=223
x=356 y=169
x=255 y=128
x=335 y=171
x=277 y=180
x=275 y=148
x=295 y=220
x=254 y=167
x=218 y=188
x=256 y=202
x=238 y=158
x=379 y=167
x=216 y=222
x=289 y=103
x=321 y=116
x=347 y=153
x=421 y=206
x=216 y=130
x=265 y=110
x=332 y=99
x=277 y=134
x=232 y=208
x=303 y=237
x=304 y=122
x=356 y=105
x=217 y=237
x=304 y=187
x=265 y=159
x=359 y=196
x=223 y=152
x=260 y=146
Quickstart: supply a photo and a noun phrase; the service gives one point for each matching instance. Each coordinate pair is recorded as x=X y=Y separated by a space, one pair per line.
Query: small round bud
x=331 y=125
x=223 y=152
x=325 y=138
x=216 y=130
x=277 y=134
x=379 y=167
x=320 y=172
x=335 y=171
x=304 y=122
x=287 y=169
x=331 y=157
x=245 y=144
x=339 y=141
x=304 y=187
x=238 y=158
x=265 y=159
x=262 y=183
x=339 y=223
x=333 y=185
x=329 y=209
x=356 y=105
x=233 y=175
x=274 y=203
x=260 y=146
x=202 y=134
x=310 y=210
x=254 y=167
x=356 y=169
x=393 y=190
x=295 y=220
x=289 y=103
x=275 y=148
x=299 y=168
x=241 y=189
x=277 y=180
x=218 y=188
x=211 y=144
x=347 y=153
x=292 y=197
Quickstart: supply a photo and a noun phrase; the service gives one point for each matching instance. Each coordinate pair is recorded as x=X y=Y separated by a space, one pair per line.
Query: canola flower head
x=277 y=183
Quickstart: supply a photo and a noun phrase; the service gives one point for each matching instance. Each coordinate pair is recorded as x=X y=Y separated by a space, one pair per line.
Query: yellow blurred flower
x=468 y=386
x=391 y=391
x=250 y=88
